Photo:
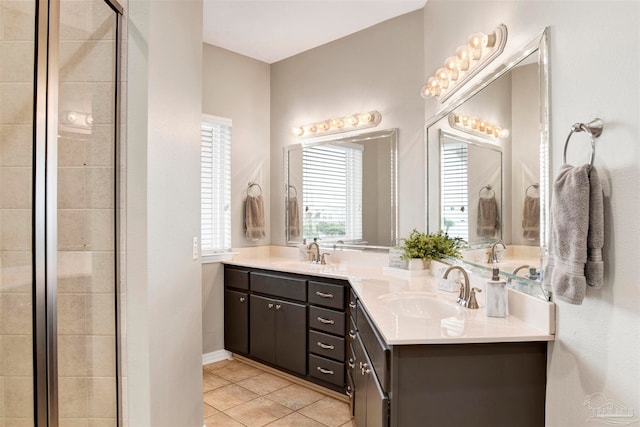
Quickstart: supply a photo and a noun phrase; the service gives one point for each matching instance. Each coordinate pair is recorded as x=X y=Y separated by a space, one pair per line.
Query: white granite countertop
x=412 y=310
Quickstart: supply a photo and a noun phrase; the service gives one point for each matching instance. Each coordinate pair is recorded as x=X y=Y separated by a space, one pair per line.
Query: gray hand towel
x=254 y=218
x=488 y=217
x=531 y=218
x=570 y=213
x=294 y=217
x=594 y=269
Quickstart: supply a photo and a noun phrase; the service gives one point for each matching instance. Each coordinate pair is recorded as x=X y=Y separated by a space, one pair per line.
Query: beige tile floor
x=237 y=395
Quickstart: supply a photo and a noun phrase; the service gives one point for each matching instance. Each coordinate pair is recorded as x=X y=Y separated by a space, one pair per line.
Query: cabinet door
x=291 y=336
x=236 y=321
x=359 y=385
x=263 y=325
x=377 y=402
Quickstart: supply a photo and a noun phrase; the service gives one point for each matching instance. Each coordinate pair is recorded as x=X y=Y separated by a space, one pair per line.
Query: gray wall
x=598 y=342
x=379 y=68
x=236 y=87
x=163 y=317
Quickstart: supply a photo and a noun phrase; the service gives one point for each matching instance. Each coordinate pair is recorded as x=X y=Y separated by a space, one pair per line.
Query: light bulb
x=89 y=119
x=464 y=120
x=473 y=123
x=482 y=125
x=298 y=131
x=352 y=121
x=337 y=123
x=462 y=53
x=489 y=129
x=323 y=126
x=503 y=133
x=443 y=77
x=425 y=91
x=477 y=40
x=71 y=117
x=312 y=129
x=368 y=117
x=433 y=83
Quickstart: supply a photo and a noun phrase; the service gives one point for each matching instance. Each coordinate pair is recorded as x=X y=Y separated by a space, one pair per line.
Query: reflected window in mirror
x=343 y=190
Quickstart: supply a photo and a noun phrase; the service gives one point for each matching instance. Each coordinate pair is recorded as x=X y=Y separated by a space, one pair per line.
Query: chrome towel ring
x=490 y=192
x=535 y=186
x=593 y=128
x=251 y=185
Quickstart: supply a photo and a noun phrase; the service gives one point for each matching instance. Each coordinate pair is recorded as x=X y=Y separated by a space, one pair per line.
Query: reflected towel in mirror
x=488 y=217
x=531 y=218
x=294 y=217
x=254 y=218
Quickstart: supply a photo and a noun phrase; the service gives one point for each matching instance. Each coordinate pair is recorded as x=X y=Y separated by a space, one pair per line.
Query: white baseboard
x=215 y=356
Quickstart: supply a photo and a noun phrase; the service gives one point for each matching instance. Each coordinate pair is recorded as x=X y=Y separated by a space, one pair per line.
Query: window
x=332 y=192
x=454 y=190
x=215 y=205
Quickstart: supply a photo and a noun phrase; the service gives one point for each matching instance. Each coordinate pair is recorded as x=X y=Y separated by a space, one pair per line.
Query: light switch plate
x=196 y=248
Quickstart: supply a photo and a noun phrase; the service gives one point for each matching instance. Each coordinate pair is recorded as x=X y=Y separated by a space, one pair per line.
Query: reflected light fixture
x=477 y=126
x=469 y=59
x=338 y=124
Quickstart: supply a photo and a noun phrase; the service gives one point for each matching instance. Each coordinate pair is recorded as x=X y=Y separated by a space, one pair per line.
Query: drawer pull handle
x=326 y=321
x=352 y=363
x=352 y=335
x=352 y=304
x=242 y=299
x=325 y=371
x=325 y=346
x=323 y=295
x=349 y=393
x=278 y=306
x=270 y=305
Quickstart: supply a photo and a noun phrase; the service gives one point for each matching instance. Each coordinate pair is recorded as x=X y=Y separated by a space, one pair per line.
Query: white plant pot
x=418 y=264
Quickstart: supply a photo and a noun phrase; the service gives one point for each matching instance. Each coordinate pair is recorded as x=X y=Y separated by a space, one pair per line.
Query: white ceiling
x=272 y=30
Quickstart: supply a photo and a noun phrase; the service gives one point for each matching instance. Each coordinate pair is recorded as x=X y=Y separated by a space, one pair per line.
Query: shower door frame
x=44 y=211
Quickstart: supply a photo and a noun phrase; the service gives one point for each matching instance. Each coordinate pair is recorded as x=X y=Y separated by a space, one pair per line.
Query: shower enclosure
x=59 y=161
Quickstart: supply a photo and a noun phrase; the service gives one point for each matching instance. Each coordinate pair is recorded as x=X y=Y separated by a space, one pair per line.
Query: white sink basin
x=419 y=305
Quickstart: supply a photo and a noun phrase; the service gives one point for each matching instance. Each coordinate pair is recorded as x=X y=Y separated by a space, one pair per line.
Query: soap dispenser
x=303 y=251
x=496 y=305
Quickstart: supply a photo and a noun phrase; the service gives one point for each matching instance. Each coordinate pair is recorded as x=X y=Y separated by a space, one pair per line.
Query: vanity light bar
x=469 y=59
x=338 y=124
x=476 y=126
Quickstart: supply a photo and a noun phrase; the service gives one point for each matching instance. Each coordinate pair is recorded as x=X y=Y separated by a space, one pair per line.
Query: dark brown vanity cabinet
x=278 y=333
x=236 y=321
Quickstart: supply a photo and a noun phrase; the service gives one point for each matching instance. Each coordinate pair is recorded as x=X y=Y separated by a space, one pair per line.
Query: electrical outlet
x=196 y=248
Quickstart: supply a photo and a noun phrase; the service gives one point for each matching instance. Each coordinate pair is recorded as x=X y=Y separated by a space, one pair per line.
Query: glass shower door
x=86 y=294
x=17 y=34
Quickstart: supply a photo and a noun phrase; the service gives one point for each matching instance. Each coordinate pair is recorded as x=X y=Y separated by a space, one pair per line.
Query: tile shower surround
x=237 y=394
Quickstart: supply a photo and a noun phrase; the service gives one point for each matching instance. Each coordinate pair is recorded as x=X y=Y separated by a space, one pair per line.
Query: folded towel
x=294 y=218
x=531 y=218
x=594 y=269
x=254 y=218
x=488 y=217
x=577 y=229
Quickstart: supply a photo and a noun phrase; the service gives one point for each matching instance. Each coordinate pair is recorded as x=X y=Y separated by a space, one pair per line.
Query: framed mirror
x=343 y=190
x=488 y=166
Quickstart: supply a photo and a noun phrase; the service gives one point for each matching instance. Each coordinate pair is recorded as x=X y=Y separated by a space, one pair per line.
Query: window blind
x=332 y=192
x=454 y=196
x=215 y=138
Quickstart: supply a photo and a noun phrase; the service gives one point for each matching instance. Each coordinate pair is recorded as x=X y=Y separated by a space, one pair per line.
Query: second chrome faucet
x=467 y=297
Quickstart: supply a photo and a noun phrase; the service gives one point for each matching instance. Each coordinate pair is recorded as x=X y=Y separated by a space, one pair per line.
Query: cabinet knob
x=352 y=335
x=242 y=299
x=325 y=371
x=364 y=368
x=278 y=306
x=323 y=295
x=352 y=304
x=325 y=346
x=351 y=363
x=326 y=321
x=270 y=305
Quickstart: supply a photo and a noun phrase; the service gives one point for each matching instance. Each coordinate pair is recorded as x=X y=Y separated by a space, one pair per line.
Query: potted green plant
x=427 y=247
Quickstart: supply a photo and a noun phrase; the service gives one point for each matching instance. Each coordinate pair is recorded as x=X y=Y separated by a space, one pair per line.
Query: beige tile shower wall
x=86 y=233
x=16 y=71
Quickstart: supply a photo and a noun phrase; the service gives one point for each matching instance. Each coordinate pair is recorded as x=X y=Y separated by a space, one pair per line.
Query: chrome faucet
x=467 y=297
x=315 y=257
x=492 y=256
x=516 y=270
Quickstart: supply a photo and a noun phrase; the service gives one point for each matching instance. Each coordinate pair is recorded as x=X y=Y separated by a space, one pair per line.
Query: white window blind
x=332 y=192
x=215 y=138
x=454 y=199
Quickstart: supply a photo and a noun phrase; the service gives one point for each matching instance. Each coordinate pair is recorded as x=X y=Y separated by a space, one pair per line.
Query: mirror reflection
x=343 y=190
x=488 y=166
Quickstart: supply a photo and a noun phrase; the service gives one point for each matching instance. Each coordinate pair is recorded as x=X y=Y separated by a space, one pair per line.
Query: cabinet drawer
x=327 y=320
x=327 y=295
x=326 y=345
x=376 y=348
x=234 y=278
x=326 y=370
x=279 y=286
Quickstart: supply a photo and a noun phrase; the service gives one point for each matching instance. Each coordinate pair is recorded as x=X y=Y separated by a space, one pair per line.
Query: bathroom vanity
x=404 y=353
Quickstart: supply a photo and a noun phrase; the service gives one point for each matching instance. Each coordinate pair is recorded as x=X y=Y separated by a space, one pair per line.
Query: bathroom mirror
x=505 y=148
x=343 y=190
